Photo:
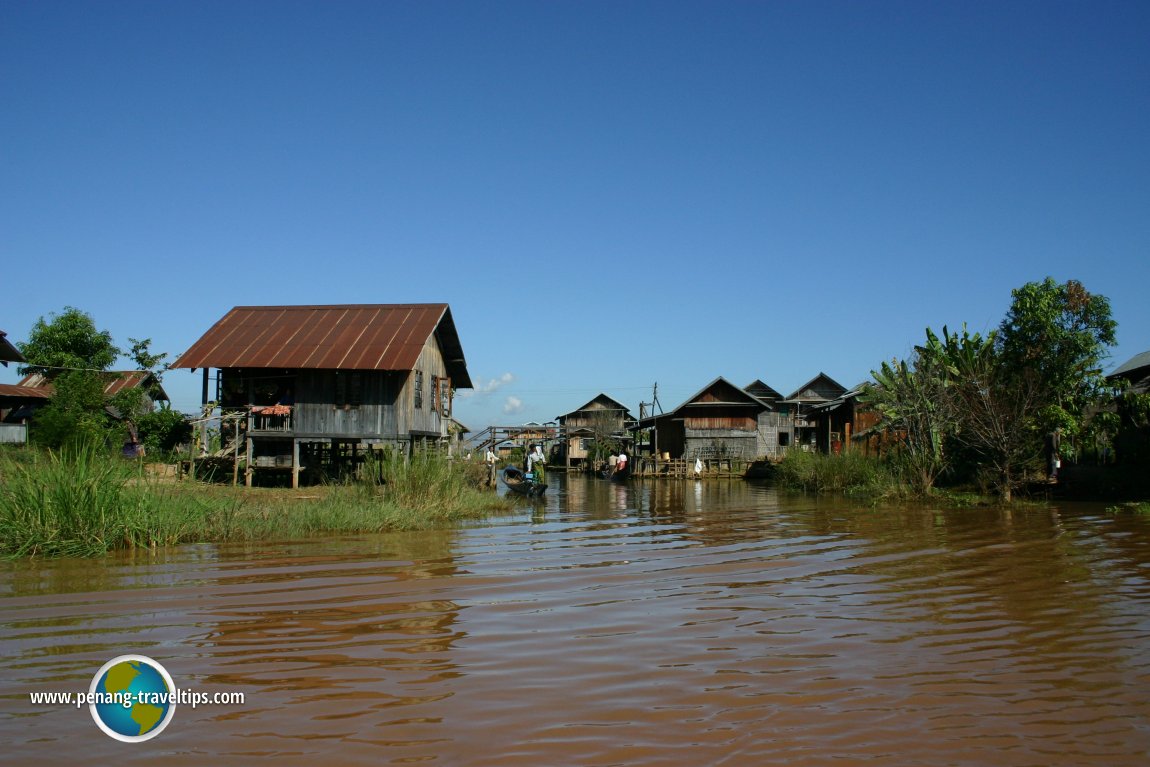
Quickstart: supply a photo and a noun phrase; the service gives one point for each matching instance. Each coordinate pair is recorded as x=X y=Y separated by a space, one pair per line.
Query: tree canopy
x=996 y=397
x=68 y=341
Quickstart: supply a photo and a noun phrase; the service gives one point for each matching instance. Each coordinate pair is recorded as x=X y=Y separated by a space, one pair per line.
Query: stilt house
x=818 y=391
x=317 y=385
x=601 y=419
x=719 y=421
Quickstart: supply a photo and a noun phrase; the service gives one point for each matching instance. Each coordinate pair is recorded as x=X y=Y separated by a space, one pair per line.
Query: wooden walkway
x=685 y=468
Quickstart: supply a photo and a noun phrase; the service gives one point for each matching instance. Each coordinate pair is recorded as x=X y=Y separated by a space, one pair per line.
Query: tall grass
x=851 y=473
x=83 y=502
x=73 y=502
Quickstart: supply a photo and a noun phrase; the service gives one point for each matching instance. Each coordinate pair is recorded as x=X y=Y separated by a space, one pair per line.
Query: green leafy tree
x=68 y=341
x=1055 y=336
x=162 y=430
x=75 y=414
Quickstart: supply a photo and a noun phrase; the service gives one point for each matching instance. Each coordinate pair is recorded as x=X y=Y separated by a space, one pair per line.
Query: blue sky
x=608 y=194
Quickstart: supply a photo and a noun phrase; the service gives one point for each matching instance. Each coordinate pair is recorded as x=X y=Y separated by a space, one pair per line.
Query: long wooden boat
x=617 y=476
x=518 y=482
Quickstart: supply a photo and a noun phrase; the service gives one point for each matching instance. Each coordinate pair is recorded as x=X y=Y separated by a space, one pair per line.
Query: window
x=784 y=438
x=348 y=388
x=418 y=390
x=445 y=397
x=435 y=394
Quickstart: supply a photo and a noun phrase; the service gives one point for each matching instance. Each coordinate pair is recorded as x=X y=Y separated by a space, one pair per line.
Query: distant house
x=719 y=421
x=17 y=405
x=320 y=383
x=1134 y=374
x=19 y=402
x=818 y=391
x=603 y=418
x=838 y=422
x=115 y=381
x=1132 y=443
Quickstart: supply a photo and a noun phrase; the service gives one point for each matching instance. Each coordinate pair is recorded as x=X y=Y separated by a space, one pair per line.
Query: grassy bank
x=853 y=474
x=872 y=479
x=82 y=502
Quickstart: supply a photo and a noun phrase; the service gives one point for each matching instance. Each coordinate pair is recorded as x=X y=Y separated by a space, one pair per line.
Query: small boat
x=520 y=483
x=617 y=476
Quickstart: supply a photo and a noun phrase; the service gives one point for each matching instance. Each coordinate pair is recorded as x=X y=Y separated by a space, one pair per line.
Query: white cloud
x=512 y=405
x=482 y=386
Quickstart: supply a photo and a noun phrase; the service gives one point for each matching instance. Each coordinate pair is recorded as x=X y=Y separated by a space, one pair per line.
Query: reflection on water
x=616 y=623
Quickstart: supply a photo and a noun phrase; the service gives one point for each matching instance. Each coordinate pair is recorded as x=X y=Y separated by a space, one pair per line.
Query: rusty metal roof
x=15 y=390
x=115 y=381
x=340 y=337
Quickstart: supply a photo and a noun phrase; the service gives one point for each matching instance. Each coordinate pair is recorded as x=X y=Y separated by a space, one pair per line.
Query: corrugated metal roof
x=1134 y=363
x=15 y=390
x=115 y=381
x=339 y=337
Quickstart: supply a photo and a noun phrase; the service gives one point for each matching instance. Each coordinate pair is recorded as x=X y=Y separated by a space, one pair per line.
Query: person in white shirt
x=491 y=459
x=535 y=463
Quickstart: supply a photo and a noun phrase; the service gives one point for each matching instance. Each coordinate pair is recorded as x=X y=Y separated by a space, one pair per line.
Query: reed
x=83 y=502
x=850 y=473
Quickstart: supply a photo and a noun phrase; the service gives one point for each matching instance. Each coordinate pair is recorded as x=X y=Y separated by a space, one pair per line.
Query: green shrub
x=851 y=472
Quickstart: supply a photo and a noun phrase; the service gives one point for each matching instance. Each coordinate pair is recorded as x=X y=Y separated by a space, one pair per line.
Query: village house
x=818 y=391
x=775 y=428
x=845 y=423
x=603 y=422
x=316 y=386
x=17 y=403
x=720 y=421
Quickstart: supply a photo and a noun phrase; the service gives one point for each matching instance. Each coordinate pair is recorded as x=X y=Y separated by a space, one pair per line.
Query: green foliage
x=69 y=503
x=992 y=399
x=69 y=340
x=1057 y=335
x=162 y=430
x=75 y=415
x=84 y=501
x=911 y=399
x=851 y=473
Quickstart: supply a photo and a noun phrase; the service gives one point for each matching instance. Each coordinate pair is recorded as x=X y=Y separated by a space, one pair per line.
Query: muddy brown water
x=680 y=623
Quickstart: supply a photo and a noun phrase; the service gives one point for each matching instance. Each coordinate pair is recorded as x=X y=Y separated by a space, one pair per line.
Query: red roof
x=341 y=337
x=15 y=390
x=115 y=381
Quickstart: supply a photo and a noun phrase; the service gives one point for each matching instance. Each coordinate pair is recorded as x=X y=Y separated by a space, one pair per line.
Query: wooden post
x=250 y=468
x=295 y=464
x=235 y=451
x=847 y=437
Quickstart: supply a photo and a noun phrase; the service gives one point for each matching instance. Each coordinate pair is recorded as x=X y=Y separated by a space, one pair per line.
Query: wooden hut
x=775 y=428
x=839 y=421
x=817 y=391
x=720 y=421
x=319 y=385
x=603 y=419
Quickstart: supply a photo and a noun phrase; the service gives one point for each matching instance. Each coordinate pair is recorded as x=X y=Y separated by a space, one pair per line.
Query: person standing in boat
x=621 y=462
x=535 y=461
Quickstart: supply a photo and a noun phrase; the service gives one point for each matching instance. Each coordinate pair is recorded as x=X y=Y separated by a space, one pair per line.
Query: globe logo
x=133 y=698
